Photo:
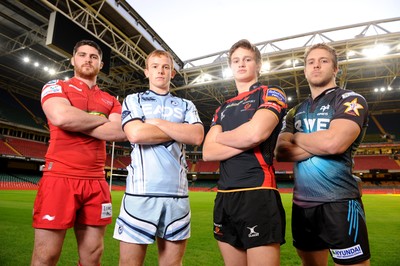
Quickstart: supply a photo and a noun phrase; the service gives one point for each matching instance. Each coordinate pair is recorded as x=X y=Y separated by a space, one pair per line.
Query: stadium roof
x=24 y=27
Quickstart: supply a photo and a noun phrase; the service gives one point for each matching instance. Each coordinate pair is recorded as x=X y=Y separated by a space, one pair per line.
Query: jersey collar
x=255 y=86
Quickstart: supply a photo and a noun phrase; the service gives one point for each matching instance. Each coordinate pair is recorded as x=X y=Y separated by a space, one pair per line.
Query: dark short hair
x=90 y=43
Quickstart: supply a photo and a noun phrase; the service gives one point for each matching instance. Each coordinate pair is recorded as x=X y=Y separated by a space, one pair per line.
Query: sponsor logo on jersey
x=324 y=108
x=50 y=89
x=48 y=217
x=348 y=94
x=148 y=99
x=312 y=125
x=253 y=233
x=150 y=110
x=347 y=253
x=276 y=96
x=54 y=81
x=273 y=105
x=353 y=107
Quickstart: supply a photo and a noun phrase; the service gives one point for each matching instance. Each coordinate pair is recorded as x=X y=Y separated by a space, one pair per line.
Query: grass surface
x=383 y=220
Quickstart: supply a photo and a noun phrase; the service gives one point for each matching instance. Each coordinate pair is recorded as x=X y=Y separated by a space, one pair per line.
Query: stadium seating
x=368 y=162
x=206 y=167
x=5 y=148
x=26 y=147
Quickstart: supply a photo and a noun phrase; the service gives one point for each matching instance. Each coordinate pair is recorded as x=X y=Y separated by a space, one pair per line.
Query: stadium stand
x=21 y=117
x=5 y=148
x=117 y=163
x=283 y=167
x=26 y=148
x=21 y=110
x=22 y=182
x=206 y=167
x=371 y=162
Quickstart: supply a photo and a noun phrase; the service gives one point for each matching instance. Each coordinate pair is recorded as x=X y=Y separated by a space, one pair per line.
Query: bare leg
x=47 y=247
x=364 y=263
x=131 y=254
x=264 y=255
x=90 y=244
x=232 y=256
x=170 y=253
x=314 y=258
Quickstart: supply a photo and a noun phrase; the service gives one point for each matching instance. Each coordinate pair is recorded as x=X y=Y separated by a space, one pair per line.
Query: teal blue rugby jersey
x=322 y=179
x=158 y=170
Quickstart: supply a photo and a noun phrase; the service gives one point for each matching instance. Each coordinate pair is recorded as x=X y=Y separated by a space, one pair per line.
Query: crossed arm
x=220 y=145
x=300 y=146
x=62 y=114
x=155 y=131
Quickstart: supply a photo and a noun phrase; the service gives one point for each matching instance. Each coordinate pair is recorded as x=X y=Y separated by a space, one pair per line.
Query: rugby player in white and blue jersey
x=321 y=135
x=155 y=206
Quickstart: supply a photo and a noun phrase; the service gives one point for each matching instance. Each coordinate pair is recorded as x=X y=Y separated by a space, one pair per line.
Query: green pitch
x=16 y=233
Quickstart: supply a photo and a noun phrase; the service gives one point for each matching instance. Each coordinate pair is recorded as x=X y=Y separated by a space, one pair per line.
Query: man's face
x=87 y=62
x=244 y=66
x=319 y=69
x=160 y=72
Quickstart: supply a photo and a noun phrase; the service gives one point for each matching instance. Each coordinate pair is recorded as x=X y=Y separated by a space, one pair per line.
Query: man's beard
x=86 y=74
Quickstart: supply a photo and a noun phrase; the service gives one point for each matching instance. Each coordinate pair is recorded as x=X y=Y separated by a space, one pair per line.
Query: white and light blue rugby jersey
x=160 y=169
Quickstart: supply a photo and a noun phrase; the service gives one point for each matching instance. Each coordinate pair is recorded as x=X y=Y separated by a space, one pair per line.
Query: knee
x=42 y=258
x=91 y=256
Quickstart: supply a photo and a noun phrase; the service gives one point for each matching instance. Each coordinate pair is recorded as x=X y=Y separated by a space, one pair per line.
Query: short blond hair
x=160 y=53
x=326 y=47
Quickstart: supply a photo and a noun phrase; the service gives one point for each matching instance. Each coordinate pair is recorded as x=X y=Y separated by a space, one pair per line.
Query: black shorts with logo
x=251 y=218
x=337 y=226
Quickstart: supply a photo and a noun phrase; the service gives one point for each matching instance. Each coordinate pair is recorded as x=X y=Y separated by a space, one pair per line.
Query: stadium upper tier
x=369 y=55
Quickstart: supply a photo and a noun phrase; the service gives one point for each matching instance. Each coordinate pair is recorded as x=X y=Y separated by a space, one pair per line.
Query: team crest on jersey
x=247 y=106
x=353 y=107
x=125 y=114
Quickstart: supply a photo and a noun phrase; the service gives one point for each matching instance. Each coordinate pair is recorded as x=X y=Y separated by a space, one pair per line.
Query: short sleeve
x=131 y=109
x=352 y=106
